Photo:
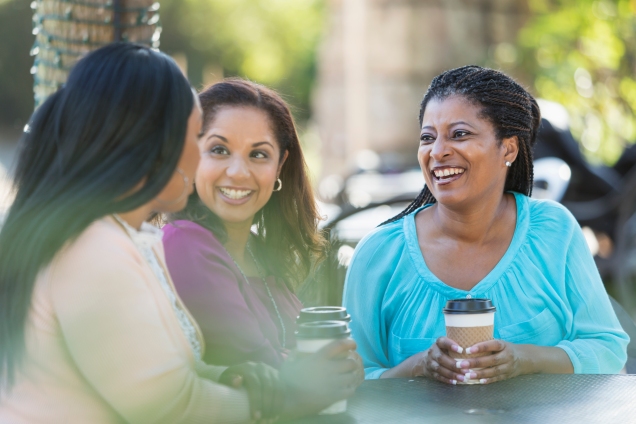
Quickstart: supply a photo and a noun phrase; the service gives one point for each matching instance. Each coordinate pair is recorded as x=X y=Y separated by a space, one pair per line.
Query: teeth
x=439 y=173
x=235 y=194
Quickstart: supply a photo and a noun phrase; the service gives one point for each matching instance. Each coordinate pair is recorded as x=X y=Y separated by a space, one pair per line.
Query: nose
x=237 y=168
x=440 y=149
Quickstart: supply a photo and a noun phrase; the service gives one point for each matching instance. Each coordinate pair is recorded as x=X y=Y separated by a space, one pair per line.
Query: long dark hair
x=287 y=226
x=119 y=121
x=506 y=104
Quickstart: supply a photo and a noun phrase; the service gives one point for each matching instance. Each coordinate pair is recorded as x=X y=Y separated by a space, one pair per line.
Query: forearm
x=545 y=360
x=407 y=368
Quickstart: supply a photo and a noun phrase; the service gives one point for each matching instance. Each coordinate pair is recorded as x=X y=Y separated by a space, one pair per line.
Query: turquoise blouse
x=546 y=289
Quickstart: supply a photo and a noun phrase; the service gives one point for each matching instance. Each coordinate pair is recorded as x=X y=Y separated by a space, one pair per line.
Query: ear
x=510 y=146
x=282 y=161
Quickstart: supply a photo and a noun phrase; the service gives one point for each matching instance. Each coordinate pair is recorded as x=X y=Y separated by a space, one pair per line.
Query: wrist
x=528 y=363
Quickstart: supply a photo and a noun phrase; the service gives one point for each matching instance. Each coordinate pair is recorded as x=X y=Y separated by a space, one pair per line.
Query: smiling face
x=240 y=162
x=459 y=153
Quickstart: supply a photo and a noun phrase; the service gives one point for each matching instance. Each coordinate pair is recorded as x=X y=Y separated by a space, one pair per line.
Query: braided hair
x=507 y=105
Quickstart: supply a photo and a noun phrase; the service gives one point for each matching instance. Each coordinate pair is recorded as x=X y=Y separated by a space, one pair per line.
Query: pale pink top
x=103 y=345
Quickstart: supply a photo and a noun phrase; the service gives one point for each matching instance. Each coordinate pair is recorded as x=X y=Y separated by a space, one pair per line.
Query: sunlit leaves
x=270 y=41
x=582 y=54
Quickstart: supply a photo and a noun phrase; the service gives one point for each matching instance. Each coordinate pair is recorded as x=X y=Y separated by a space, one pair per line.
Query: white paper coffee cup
x=310 y=338
x=468 y=322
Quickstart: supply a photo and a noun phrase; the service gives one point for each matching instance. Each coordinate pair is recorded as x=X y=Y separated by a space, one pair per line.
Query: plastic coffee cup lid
x=323 y=313
x=323 y=330
x=469 y=306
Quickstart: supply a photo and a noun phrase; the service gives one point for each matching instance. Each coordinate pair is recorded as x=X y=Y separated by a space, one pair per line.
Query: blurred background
x=355 y=71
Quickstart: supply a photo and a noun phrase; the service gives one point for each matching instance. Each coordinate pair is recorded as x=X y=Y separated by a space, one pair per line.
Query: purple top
x=238 y=321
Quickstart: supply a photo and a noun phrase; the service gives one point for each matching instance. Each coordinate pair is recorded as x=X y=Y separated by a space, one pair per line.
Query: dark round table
x=561 y=399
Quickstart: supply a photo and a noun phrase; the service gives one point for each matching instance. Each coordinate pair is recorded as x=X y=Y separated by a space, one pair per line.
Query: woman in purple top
x=249 y=233
x=237 y=317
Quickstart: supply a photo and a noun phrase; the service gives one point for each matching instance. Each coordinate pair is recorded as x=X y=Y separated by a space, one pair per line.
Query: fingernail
x=471 y=375
x=468 y=352
x=465 y=364
x=482 y=381
x=458 y=349
x=458 y=363
x=461 y=377
x=454 y=382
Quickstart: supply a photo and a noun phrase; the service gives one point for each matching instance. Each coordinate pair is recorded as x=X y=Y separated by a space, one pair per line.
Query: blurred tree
x=582 y=54
x=269 y=41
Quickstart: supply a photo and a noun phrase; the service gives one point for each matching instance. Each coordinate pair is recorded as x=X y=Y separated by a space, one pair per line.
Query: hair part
x=120 y=119
x=511 y=110
x=287 y=235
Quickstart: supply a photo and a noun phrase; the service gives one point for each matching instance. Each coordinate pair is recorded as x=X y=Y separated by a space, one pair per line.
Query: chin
x=449 y=198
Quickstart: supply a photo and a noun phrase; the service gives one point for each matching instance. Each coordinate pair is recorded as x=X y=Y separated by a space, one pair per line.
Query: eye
x=219 y=150
x=426 y=138
x=259 y=154
x=460 y=134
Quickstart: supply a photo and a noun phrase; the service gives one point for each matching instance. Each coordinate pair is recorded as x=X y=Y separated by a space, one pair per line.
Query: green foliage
x=269 y=41
x=582 y=54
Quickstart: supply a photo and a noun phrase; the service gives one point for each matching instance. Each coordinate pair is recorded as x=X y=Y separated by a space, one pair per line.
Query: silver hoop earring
x=508 y=164
x=280 y=185
x=184 y=193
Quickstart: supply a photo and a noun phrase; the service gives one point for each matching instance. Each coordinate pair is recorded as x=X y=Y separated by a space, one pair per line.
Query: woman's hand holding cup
x=437 y=364
x=505 y=361
x=316 y=380
x=265 y=390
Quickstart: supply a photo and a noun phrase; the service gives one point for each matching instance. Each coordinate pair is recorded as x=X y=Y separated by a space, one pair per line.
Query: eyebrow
x=217 y=136
x=429 y=127
x=225 y=140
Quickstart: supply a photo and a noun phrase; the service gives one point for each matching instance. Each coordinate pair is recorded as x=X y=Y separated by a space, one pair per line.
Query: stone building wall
x=377 y=59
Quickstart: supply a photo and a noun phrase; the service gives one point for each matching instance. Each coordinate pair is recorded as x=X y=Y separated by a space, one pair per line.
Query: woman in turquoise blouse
x=473 y=232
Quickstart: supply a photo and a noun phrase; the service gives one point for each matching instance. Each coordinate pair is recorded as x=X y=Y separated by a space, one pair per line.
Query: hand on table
x=265 y=389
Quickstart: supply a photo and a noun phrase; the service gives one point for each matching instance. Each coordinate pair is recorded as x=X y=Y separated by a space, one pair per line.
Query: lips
x=235 y=194
x=447 y=174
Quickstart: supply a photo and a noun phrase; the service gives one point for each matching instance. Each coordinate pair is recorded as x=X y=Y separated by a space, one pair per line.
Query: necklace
x=269 y=292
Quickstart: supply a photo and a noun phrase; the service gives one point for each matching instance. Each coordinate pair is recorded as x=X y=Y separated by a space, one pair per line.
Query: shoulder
x=185 y=235
x=381 y=242
x=549 y=216
x=182 y=229
x=102 y=244
x=103 y=253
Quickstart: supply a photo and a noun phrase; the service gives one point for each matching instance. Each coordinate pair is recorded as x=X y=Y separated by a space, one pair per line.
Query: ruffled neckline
x=493 y=277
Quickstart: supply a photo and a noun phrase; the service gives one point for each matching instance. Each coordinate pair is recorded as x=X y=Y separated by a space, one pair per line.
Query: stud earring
x=508 y=164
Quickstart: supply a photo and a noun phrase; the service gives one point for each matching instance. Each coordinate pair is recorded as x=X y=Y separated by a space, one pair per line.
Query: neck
x=474 y=224
x=136 y=217
x=238 y=234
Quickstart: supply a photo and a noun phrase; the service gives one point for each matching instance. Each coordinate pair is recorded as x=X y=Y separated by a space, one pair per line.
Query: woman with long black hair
x=91 y=329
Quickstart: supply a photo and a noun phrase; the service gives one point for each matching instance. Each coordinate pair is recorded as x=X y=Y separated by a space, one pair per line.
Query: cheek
x=422 y=157
x=206 y=176
x=266 y=178
x=190 y=159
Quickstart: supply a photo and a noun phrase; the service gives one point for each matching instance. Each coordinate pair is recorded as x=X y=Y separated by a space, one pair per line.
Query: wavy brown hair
x=287 y=236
